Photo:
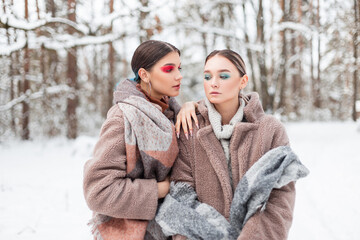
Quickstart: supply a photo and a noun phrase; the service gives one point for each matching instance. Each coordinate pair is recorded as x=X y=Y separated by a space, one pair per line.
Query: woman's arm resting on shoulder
x=184 y=116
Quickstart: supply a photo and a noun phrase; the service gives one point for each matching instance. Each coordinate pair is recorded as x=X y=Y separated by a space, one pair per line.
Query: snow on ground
x=41 y=185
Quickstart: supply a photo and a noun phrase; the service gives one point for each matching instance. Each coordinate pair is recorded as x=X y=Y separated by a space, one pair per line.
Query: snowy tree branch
x=36 y=95
x=222 y=32
x=60 y=44
x=306 y=31
x=10 y=21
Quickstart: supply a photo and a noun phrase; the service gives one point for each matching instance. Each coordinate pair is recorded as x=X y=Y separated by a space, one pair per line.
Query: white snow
x=41 y=194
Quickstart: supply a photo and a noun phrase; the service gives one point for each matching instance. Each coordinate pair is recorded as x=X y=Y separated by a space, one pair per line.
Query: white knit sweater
x=224 y=132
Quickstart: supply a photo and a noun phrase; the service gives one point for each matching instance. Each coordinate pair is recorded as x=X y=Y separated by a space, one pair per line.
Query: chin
x=214 y=100
x=173 y=94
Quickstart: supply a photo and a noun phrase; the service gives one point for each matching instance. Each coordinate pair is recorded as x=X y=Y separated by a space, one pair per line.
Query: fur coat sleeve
x=182 y=170
x=107 y=190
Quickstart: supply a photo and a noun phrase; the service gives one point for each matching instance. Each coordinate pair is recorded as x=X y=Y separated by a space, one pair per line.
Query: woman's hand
x=163 y=187
x=183 y=118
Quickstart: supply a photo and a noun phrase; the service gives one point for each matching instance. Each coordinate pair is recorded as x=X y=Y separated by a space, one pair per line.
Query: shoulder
x=269 y=124
x=270 y=120
x=273 y=130
x=115 y=112
x=202 y=114
x=114 y=120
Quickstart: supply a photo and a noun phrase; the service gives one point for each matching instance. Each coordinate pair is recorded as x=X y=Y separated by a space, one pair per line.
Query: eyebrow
x=171 y=64
x=221 y=70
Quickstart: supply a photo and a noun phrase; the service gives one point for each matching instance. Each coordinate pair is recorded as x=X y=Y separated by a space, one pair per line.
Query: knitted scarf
x=224 y=132
x=151 y=146
x=181 y=213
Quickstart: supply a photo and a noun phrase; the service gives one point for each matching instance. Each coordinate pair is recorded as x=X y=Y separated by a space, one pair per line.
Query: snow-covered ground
x=41 y=185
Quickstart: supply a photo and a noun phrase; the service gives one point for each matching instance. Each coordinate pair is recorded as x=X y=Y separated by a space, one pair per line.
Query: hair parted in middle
x=232 y=56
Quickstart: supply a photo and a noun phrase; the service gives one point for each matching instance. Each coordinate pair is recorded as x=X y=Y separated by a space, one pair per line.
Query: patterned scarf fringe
x=95 y=222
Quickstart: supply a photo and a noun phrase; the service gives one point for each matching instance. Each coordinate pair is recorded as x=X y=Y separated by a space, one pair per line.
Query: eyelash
x=207 y=77
x=222 y=76
x=168 y=69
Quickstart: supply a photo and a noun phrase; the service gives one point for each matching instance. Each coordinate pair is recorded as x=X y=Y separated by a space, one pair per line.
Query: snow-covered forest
x=60 y=60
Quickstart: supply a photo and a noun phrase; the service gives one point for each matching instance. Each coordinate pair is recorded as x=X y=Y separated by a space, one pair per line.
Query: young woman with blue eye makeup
x=232 y=133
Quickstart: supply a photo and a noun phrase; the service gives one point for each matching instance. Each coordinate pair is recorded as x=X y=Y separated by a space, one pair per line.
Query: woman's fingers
x=189 y=122
x=193 y=115
x=178 y=124
x=183 y=119
x=184 y=125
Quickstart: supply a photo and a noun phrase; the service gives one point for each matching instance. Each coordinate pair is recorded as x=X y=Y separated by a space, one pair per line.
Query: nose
x=214 y=82
x=178 y=76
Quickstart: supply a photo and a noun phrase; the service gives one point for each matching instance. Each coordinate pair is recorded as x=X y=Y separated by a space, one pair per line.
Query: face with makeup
x=222 y=81
x=164 y=76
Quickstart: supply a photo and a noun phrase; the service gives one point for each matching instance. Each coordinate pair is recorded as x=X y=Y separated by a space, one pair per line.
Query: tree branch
x=36 y=95
x=10 y=21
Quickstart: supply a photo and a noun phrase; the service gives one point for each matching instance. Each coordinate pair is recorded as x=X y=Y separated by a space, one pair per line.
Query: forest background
x=60 y=60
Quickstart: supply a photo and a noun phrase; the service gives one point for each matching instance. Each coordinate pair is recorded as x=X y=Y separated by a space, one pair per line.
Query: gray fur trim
x=275 y=169
x=181 y=213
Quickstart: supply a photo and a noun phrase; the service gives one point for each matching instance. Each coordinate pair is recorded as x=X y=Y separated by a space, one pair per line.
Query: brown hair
x=148 y=54
x=232 y=56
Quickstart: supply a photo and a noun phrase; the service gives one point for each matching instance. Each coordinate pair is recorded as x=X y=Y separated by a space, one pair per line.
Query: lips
x=214 y=93
x=177 y=86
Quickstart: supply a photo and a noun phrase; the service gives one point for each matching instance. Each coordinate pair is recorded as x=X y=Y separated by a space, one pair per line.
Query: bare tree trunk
x=317 y=84
x=95 y=78
x=203 y=34
x=274 y=71
x=11 y=78
x=356 y=44
x=50 y=5
x=37 y=8
x=143 y=15
x=283 y=84
x=261 y=59
x=111 y=61
x=50 y=64
x=295 y=12
x=72 y=100
x=53 y=57
x=226 y=13
x=248 y=51
x=25 y=134
x=299 y=81
x=124 y=62
x=312 y=55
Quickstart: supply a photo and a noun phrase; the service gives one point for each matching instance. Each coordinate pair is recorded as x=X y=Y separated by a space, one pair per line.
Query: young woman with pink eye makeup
x=215 y=167
x=137 y=147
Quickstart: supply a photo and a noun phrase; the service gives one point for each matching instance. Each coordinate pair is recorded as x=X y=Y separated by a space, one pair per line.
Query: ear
x=144 y=75
x=243 y=81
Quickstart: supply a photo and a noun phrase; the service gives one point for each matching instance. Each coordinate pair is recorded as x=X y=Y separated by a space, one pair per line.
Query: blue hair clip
x=116 y=85
x=135 y=78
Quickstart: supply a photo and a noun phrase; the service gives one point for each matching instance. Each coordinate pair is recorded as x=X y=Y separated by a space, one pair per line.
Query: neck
x=227 y=110
x=146 y=88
